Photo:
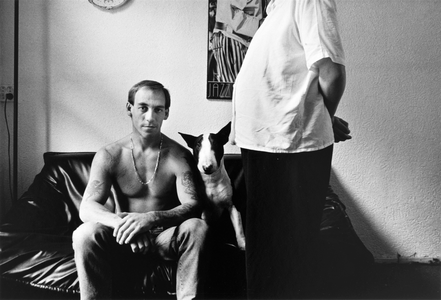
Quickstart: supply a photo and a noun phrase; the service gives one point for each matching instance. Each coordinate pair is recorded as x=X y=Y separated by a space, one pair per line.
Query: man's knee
x=195 y=229
x=88 y=234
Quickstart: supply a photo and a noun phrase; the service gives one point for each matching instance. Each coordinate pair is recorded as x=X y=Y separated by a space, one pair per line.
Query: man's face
x=148 y=111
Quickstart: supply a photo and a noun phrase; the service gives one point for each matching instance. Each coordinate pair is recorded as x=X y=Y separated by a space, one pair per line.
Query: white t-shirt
x=277 y=106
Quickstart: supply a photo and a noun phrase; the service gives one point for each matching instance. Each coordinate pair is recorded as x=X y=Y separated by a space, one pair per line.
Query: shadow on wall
x=392 y=279
x=373 y=239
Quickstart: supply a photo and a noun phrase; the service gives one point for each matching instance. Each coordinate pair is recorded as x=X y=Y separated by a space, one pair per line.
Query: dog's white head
x=208 y=148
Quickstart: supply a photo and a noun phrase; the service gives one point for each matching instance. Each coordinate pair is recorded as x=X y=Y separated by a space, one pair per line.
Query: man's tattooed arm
x=92 y=206
x=188 y=183
x=94 y=189
x=190 y=204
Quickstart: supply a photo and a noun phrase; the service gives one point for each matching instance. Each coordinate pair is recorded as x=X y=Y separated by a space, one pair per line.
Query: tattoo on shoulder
x=188 y=183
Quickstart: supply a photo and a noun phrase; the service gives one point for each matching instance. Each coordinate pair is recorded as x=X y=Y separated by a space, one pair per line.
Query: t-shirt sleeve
x=319 y=31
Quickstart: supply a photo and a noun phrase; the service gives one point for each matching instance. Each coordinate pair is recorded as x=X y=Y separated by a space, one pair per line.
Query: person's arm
x=133 y=224
x=332 y=82
x=97 y=192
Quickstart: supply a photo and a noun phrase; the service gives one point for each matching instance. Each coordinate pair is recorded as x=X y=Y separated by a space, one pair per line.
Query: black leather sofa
x=37 y=260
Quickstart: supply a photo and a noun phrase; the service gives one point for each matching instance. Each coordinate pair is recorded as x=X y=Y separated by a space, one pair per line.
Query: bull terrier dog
x=208 y=150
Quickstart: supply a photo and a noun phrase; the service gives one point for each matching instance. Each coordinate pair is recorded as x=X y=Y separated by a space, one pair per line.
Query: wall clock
x=108 y=4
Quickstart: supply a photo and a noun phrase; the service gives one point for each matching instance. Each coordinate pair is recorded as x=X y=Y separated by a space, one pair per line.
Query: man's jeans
x=100 y=259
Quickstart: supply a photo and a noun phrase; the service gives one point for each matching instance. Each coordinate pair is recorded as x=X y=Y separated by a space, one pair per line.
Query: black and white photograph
x=220 y=149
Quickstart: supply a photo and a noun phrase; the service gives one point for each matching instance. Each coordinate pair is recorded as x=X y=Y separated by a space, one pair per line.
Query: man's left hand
x=131 y=225
x=341 y=130
x=142 y=244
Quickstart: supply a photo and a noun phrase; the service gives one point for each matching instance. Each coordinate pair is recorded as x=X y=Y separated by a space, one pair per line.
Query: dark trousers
x=106 y=268
x=286 y=194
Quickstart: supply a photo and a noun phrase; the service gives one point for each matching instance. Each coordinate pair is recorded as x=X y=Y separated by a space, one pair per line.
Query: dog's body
x=208 y=150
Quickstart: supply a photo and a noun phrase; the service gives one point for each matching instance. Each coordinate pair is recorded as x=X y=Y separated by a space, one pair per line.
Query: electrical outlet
x=4 y=90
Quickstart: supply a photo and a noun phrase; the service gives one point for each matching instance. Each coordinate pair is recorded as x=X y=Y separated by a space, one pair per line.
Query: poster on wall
x=231 y=26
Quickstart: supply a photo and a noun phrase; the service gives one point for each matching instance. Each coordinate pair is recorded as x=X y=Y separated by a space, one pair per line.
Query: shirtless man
x=157 y=211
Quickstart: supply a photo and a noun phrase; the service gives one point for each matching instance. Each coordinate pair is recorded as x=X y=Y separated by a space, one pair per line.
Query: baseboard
x=409 y=260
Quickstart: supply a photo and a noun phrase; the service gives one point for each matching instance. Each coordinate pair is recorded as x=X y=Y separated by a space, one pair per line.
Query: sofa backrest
x=68 y=173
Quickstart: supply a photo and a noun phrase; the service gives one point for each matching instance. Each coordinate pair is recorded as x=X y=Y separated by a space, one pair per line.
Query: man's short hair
x=152 y=85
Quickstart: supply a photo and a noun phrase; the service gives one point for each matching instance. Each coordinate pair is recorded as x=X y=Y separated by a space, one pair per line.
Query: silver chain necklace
x=156 y=167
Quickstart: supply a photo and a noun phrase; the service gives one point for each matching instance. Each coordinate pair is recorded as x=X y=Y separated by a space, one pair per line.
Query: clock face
x=108 y=4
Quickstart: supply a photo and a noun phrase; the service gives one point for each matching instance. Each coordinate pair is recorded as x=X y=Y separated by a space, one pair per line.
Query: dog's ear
x=189 y=139
x=224 y=133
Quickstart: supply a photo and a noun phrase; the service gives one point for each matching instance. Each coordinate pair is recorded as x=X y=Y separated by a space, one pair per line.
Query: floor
x=388 y=281
x=404 y=281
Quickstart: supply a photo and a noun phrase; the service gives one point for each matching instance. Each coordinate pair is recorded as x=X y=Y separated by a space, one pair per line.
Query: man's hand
x=341 y=130
x=131 y=225
x=142 y=244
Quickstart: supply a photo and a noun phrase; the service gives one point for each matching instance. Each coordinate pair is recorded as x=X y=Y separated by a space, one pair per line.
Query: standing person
x=284 y=101
x=157 y=210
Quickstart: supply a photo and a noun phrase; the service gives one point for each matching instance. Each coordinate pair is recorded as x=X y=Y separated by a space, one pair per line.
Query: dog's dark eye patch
x=217 y=147
x=197 y=146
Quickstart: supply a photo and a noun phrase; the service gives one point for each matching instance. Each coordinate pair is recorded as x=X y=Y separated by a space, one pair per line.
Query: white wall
x=78 y=62
x=390 y=173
